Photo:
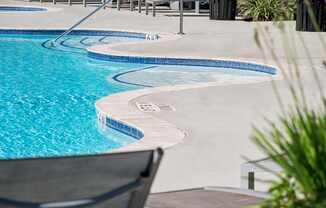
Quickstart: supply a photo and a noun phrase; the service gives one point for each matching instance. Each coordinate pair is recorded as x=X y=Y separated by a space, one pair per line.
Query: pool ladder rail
x=67 y=32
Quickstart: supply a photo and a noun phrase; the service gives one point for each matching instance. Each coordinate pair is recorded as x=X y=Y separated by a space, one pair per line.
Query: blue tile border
x=21 y=9
x=74 y=32
x=185 y=62
x=123 y=128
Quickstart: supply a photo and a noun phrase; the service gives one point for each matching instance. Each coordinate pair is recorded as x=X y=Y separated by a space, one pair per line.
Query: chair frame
x=139 y=188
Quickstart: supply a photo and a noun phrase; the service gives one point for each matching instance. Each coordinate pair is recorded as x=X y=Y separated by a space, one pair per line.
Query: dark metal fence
x=304 y=20
x=222 y=9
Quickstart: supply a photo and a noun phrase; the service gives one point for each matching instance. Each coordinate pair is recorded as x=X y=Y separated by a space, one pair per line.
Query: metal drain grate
x=147 y=107
x=166 y=107
x=151 y=107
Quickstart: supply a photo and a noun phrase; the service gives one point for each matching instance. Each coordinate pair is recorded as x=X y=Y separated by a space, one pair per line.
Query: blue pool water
x=21 y=9
x=47 y=97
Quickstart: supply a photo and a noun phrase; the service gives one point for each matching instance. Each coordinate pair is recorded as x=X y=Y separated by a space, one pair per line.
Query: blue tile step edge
x=105 y=121
x=185 y=62
x=74 y=32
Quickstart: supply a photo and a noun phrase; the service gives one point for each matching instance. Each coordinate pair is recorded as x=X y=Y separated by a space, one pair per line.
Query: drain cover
x=166 y=107
x=147 y=107
x=151 y=107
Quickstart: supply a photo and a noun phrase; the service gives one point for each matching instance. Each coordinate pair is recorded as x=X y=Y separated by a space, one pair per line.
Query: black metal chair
x=108 y=180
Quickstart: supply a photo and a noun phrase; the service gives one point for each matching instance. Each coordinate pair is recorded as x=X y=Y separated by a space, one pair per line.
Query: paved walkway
x=218 y=120
x=200 y=198
x=204 y=37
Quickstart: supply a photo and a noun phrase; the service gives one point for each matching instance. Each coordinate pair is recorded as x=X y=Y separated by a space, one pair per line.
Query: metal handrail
x=81 y=21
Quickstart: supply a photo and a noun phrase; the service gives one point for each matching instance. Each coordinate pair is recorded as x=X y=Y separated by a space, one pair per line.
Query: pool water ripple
x=47 y=99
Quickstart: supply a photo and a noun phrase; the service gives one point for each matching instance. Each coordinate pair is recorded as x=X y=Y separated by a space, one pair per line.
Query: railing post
x=131 y=5
x=154 y=9
x=103 y=1
x=251 y=180
x=197 y=7
x=146 y=7
x=139 y=6
x=84 y=2
x=181 y=17
x=118 y=5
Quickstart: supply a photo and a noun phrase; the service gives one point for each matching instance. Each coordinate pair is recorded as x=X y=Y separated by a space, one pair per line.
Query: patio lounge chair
x=131 y=4
x=154 y=3
x=100 y=181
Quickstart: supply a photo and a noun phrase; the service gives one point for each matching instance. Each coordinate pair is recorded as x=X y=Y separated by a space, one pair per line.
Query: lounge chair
x=154 y=3
x=100 y=181
x=131 y=4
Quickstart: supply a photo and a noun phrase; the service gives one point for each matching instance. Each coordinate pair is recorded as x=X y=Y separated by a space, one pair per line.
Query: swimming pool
x=21 y=9
x=47 y=94
x=47 y=97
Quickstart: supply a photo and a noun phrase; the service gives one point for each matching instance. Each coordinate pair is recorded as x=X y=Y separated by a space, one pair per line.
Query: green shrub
x=267 y=10
x=298 y=146
x=297 y=140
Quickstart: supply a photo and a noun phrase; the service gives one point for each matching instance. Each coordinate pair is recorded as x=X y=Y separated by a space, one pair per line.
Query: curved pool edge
x=156 y=132
x=59 y=31
x=107 y=53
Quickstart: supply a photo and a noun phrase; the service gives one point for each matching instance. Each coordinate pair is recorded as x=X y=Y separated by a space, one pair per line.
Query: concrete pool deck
x=217 y=119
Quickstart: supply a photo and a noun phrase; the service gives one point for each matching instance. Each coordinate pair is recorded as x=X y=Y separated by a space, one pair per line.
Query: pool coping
x=59 y=31
x=108 y=52
x=156 y=132
x=120 y=106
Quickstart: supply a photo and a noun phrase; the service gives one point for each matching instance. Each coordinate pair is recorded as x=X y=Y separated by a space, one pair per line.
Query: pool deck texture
x=200 y=198
x=216 y=120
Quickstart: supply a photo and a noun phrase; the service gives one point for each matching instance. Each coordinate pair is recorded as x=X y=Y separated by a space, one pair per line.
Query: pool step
x=72 y=43
x=79 y=44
